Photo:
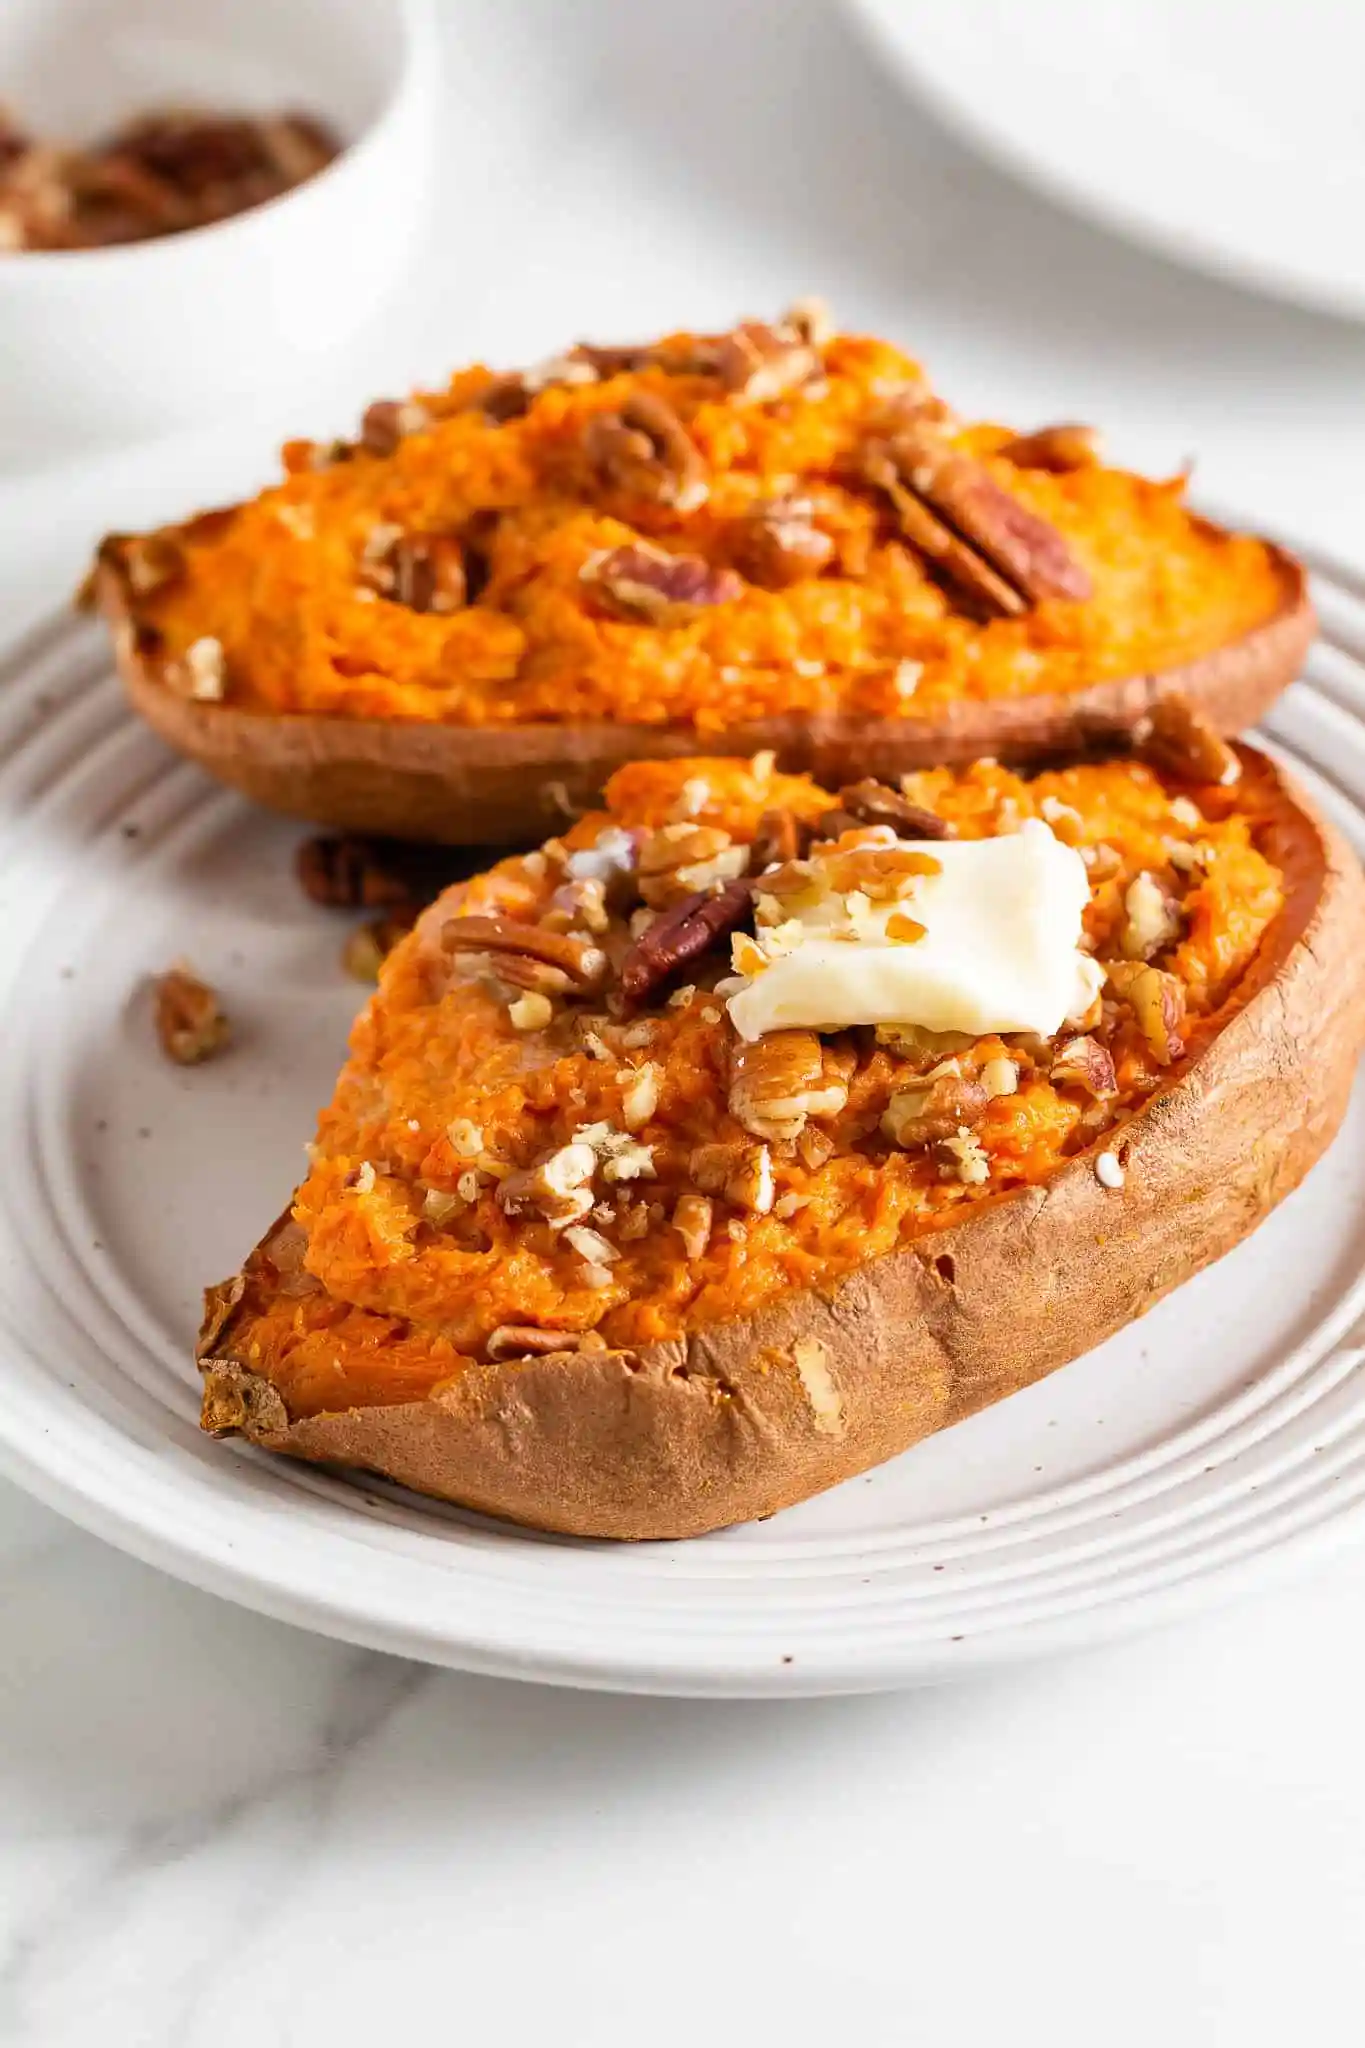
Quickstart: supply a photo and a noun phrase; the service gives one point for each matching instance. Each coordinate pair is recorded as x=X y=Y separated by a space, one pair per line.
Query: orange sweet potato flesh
x=495 y=719
x=877 y=1299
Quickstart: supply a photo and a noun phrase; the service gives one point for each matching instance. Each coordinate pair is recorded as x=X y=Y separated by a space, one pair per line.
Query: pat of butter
x=1000 y=951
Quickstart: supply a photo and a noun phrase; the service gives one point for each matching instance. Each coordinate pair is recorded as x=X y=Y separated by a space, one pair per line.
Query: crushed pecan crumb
x=645 y=451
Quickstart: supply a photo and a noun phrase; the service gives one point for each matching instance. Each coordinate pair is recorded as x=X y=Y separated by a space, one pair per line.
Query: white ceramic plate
x=1229 y=133
x=1226 y=1429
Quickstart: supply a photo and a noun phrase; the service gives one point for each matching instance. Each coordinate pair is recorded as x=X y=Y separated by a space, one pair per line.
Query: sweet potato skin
x=509 y=785
x=732 y=1423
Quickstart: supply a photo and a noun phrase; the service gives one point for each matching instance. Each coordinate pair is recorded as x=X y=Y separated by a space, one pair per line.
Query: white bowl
x=108 y=344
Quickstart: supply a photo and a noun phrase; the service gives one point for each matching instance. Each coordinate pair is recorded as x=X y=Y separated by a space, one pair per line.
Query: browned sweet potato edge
x=508 y=785
x=725 y=1426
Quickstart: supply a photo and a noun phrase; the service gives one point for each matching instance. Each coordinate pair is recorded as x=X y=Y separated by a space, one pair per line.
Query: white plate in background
x=1228 y=133
x=1223 y=1432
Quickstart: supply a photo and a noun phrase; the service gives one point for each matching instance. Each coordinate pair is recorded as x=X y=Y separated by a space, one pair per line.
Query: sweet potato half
x=457 y=627
x=774 y=1290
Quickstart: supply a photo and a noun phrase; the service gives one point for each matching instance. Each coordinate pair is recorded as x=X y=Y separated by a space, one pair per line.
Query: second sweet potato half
x=457 y=626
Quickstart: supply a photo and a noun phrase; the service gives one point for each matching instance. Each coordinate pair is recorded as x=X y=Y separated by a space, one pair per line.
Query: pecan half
x=945 y=1103
x=680 y=935
x=1028 y=553
x=1178 y=740
x=557 y=1186
x=190 y=1023
x=692 y=1219
x=875 y=803
x=645 y=450
x=344 y=871
x=1157 y=1001
x=680 y=861
x=960 y=566
x=1065 y=446
x=761 y=363
x=784 y=1078
x=424 y=571
x=525 y=1340
x=777 y=543
x=570 y=963
x=645 y=582
x=1084 y=1063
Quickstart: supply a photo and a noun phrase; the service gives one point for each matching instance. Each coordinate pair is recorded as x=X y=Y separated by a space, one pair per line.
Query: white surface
x=110 y=343
x=214 y=1829
x=1168 y=1466
x=1226 y=132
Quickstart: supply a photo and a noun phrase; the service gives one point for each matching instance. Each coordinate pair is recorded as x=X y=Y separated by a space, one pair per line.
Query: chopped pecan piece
x=762 y=363
x=741 y=1172
x=1157 y=1001
x=388 y=421
x=347 y=871
x=1059 y=448
x=644 y=582
x=190 y=1022
x=1178 y=739
x=784 y=1078
x=645 y=450
x=962 y=1157
x=568 y=963
x=810 y=320
x=557 y=1185
x=525 y=1340
x=780 y=837
x=1152 y=918
x=679 y=861
x=946 y=1102
x=692 y=1218
x=874 y=803
x=424 y=571
x=777 y=543
x=680 y=935
x=1084 y=1063
x=1029 y=554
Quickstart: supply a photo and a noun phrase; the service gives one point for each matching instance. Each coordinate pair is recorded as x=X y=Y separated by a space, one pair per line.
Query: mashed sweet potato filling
x=677 y=1195
x=449 y=567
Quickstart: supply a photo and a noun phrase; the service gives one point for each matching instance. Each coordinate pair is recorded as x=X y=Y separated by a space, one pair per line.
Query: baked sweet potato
x=459 y=626
x=572 y=1252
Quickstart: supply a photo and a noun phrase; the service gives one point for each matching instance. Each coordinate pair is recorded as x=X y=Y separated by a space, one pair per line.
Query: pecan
x=777 y=543
x=645 y=450
x=190 y=1023
x=578 y=904
x=961 y=1157
x=503 y=399
x=784 y=1078
x=780 y=837
x=370 y=945
x=557 y=1185
x=741 y=1172
x=1157 y=1001
x=681 y=860
x=762 y=363
x=347 y=871
x=424 y=571
x=946 y=1102
x=680 y=935
x=1029 y=553
x=570 y=963
x=524 y=1340
x=644 y=582
x=1152 y=918
x=960 y=565
x=810 y=320
x=1178 y=740
x=1084 y=1063
x=874 y=803
x=814 y=1148
x=388 y=421
x=1059 y=448
x=692 y=1217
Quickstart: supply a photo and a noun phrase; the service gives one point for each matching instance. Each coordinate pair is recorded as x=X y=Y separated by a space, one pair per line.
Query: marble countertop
x=215 y=1830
